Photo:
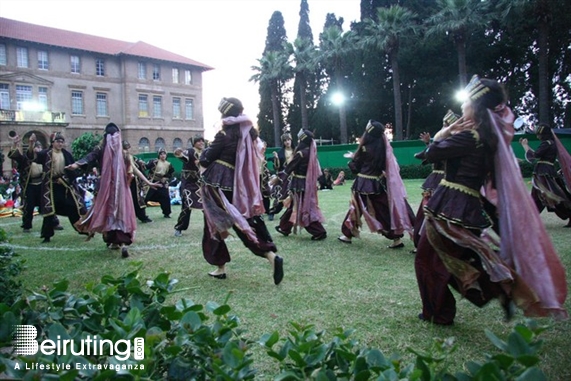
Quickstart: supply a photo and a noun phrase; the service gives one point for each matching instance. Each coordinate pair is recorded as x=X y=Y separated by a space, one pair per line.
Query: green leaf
x=528 y=360
x=297 y=358
x=517 y=345
x=504 y=360
x=269 y=340
x=55 y=330
x=532 y=374
x=222 y=310
x=500 y=344
x=191 y=321
x=288 y=376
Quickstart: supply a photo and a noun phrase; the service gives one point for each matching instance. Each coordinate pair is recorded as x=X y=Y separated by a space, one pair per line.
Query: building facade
x=52 y=80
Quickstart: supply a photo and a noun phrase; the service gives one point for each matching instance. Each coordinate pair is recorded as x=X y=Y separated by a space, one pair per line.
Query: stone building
x=53 y=80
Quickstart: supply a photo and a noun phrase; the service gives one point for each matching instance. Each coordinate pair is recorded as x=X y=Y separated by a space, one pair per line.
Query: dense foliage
x=523 y=43
x=84 y=144
x=184 y=341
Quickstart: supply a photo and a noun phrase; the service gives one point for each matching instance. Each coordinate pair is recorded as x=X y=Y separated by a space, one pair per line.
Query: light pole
x=338 y=99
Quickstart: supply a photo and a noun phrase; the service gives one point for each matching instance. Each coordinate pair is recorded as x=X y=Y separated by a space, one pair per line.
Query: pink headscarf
x=247 y=196
x=113 y=208
x=564 y=161
x=532 y=256
x=400 y=220
x=309 y=208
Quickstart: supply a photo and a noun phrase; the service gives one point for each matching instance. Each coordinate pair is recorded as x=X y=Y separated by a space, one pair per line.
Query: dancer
x=160 y=171
x=303 y=206
x=432 y=180
x=281 y=158
x=30 y=178
x=549 y=189
x=453 y=250
x=231 y=193
x=135 y=169
x=378 y=192
x=189 y=187
x=112 y=213
x=60 y=193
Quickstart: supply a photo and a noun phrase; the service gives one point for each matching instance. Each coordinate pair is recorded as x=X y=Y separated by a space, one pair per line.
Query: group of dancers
x=469 y=194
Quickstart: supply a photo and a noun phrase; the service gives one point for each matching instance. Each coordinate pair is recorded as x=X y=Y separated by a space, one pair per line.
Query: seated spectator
x=340 y=180
x=325 y=180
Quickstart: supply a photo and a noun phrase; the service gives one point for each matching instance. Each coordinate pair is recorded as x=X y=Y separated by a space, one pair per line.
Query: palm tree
x=394 y=24
x=333 y=48
x=458 y=18
x=274 y=68
x=541 y=11
x=304 y=53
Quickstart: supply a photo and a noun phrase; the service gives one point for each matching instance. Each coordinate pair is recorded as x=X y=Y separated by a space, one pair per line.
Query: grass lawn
x=364 y=286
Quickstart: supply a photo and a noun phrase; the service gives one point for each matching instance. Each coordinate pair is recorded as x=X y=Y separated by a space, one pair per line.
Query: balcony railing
x=28 y=116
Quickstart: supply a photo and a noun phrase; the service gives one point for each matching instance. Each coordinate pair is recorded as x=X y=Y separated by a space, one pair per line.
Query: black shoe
x=59 y=227
x=124 y=252
x=421 y=317
x=399 y=246
x=344 y=239
x=281 y=231
x=167 y=215
x=218 y=276
x=319 y=237
x=278 y=269
x=146 y=220
x=46 y=240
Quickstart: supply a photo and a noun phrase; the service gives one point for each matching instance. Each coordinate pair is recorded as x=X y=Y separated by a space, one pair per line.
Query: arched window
x=160 y=143
x=144 y=145
x=177 y=143
x=189 y=143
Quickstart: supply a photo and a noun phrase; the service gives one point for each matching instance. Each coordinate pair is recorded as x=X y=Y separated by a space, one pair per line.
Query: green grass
x=329 y=284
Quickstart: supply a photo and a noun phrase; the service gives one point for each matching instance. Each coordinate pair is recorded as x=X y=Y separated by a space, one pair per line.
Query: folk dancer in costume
x=303 y=209
x=135 y=169
x=265 y=177
x=281 y=158
x=30 y=178
x=549 y=189
x=453 y=249
x=432 y=180
x=231 y=193
x=189 y=187
x=112 y=213
x=160 y=171
x=378 y=192
x=60 y=193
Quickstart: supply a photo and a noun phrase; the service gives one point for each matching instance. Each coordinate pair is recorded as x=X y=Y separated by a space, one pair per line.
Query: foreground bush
x=186 y=341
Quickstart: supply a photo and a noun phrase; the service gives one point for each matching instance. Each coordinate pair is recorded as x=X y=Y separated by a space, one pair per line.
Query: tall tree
x=542 y=16
x=274 y=67
x=458 y=19
x=393 y=25
x=275 y=42
x=305 y=83
x=334 y=45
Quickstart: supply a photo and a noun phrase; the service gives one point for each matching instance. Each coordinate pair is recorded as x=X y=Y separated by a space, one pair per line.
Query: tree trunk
x=342 y=110
x=543 y=81
x=397 y=96
x=276 y=114
x=303 y=101
x=462 y=75
x=409 y=112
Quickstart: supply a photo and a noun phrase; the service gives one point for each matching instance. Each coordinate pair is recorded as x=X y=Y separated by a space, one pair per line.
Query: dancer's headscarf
x=532 y=256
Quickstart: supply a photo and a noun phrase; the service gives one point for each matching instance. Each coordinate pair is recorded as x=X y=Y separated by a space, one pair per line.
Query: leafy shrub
x=10 y=267
x=187 y=341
